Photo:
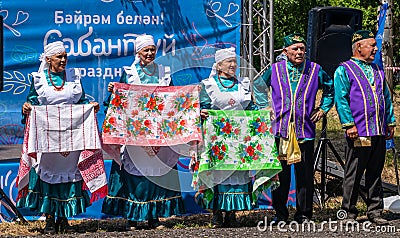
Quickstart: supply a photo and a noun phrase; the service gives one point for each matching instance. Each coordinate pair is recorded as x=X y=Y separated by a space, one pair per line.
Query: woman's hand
x=96 y=106
x=110 y=87
x=203 y=114
x=26 y=108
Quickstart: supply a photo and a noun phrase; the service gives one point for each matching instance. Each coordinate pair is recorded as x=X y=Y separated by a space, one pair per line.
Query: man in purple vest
x=366 y=113
x=294 y=83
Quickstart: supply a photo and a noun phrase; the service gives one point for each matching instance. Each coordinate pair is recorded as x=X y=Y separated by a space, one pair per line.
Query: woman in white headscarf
x=223 y=90
x=55 y=183
x=145 y=187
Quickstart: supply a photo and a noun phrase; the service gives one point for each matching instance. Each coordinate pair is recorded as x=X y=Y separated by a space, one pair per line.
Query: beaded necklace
x=230 y=86
x=57 y=88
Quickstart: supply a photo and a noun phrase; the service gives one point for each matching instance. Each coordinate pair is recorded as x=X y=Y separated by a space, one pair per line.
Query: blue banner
x=379 y=34
x=99 y=36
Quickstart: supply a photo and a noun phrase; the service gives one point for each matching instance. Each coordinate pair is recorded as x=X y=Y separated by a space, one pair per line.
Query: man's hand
x=203 y=114
x=26 y=108
x=352 y=132
x=271 y=113
x=316 y=115
x=389 y=132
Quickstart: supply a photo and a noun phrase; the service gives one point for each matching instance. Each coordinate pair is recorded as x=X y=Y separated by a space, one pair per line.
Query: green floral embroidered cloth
x=237 y=140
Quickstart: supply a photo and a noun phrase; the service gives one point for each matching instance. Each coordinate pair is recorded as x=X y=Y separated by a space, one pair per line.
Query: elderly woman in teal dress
x=137 y=188
x=55 y=183
x=223 y=90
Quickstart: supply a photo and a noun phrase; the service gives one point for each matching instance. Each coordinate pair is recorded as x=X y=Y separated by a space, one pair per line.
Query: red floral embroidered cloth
x=146 y=115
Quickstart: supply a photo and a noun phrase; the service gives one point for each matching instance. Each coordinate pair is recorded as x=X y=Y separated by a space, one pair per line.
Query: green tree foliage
x=292 y=16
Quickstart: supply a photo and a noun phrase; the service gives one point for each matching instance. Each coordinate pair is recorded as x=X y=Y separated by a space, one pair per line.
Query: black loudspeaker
x=1 y=53
x=329 y=35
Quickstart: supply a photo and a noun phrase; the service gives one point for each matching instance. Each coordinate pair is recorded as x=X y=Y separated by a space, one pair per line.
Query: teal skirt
x=228 y=198
x=60 y=200
x=136 y=198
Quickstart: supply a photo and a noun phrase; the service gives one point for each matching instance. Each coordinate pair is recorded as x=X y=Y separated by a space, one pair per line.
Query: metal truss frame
x=257 y=37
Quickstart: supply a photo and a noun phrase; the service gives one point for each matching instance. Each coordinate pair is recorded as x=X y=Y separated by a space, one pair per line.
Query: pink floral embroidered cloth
x=147 y=115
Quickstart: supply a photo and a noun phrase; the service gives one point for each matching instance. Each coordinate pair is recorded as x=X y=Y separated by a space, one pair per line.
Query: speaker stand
x=320 y=155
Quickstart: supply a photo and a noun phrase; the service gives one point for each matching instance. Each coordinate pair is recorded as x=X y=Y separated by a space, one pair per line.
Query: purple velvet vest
x=302 y=101
x=367 y=105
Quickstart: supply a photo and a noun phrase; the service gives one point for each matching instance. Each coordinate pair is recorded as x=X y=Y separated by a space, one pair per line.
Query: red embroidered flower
x=134 y=113
x=137 y=125
x=223 y=148
x=247 y=139
x=124 y=104
x=259 y=147
x=106 y=129
x=270 y=130
x=263 y=127
x=151 y=104
x=236 y=131
x=220 y=157
x=112 y=121
x=196 y=166
x=227 y=128
x=161 y=107
x=147 y=123
x=116 y=101
x=196 y=105
x=186 y=104
x=171 y=113
x=255 y=157
x=173 y=125
x=250 y=150
x=213 y=138
x=258 y=119
x=222 y=119
x=215 y=149
x=182 y=123
x=242 y=159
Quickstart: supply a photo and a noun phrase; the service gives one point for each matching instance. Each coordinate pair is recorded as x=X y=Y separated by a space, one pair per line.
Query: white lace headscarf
x=50 y=50
x=141 y=42
x=221 y=55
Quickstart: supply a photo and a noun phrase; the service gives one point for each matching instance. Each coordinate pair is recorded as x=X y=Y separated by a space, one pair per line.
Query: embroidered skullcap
x=50 y=50
x=361 y=35
x=223 y=54
x=293 y=39
x=143 y=41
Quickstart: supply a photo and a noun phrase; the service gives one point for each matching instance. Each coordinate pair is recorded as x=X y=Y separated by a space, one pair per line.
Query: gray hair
x=354 y=47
